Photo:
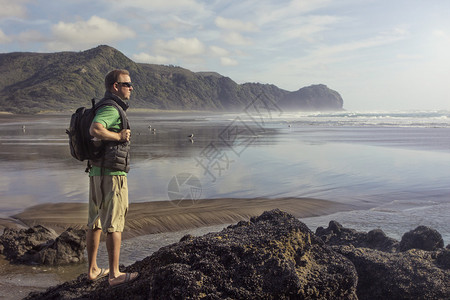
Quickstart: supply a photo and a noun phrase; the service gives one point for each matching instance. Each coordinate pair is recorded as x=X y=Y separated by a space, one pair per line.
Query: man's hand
x=125 y=135
x=98 y=131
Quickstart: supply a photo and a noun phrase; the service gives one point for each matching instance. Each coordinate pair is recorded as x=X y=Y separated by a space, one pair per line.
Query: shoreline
x=68 y=112
x=170 y=216
x=165 y=222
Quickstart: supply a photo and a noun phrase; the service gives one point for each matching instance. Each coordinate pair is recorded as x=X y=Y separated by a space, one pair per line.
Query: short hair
x=113 y=76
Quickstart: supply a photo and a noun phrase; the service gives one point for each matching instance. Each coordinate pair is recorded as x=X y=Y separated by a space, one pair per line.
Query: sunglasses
x=127 y=84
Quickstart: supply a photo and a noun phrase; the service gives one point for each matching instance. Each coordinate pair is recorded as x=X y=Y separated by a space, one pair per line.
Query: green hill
x=34 y=82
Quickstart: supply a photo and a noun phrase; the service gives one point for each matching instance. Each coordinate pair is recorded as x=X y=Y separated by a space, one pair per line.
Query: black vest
x=116 y=155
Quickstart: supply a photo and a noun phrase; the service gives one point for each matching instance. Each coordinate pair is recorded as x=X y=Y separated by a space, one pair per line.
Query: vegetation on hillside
x=34 y=82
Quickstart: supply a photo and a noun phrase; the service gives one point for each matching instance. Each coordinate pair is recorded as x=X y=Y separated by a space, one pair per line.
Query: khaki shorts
x=108 y=202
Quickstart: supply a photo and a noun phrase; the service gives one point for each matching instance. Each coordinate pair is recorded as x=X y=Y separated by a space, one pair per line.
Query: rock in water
x=414 y=274
x=41 y=245
x=423 y=238
x=391 y=270
x=336 y=235
x=68 y=248
x=22 y=245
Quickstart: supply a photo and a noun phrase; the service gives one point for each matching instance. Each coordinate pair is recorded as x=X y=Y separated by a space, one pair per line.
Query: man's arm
x=97 y=130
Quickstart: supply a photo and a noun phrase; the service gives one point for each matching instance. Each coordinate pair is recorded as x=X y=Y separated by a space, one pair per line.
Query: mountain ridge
x=32 y=82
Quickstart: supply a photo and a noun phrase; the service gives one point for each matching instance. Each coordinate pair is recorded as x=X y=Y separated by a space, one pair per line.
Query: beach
x=149 y=226
x=165 y=216
x=374 y=170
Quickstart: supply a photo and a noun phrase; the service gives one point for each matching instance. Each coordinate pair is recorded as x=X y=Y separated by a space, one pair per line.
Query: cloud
x=295 y=21
x=4 y=39
x=308 y=27
x=440 y=34
x=235 y=38
x=218 y=51
x=31 y=36
x=403 y=56
x=82 y=34
x=172 y=6
x=149 y=59
x=274 y=12
x=180 y=47
x=176 y=24
x=235 y=25
x=381 y=39
x=25 y=37
x=322 y=62
x=226 y=61
x=13 y=9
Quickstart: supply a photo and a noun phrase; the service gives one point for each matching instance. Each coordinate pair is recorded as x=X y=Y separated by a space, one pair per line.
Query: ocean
x=392 y=167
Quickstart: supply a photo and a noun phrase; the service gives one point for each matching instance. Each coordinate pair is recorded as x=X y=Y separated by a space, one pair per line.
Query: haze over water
x=392 y=167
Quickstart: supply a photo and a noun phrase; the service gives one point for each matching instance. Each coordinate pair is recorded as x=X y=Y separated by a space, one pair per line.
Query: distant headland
x=62 y=81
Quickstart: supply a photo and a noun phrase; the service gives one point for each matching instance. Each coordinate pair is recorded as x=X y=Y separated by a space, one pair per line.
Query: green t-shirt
x=109 y=117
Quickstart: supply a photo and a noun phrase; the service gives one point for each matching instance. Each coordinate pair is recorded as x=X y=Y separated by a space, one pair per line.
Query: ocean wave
x=419 y=118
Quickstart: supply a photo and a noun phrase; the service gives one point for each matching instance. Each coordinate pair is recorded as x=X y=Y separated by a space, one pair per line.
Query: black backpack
x=81 y=145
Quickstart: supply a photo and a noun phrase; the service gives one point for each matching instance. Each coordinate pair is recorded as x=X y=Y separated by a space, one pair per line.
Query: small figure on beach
x=108 y=187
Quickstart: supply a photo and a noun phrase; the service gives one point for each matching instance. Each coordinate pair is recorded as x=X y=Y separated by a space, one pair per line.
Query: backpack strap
x=123 y=117
x=111 y=102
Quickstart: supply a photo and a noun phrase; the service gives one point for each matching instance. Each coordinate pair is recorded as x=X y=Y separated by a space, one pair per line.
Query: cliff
x=314 y=97
x=34 y=82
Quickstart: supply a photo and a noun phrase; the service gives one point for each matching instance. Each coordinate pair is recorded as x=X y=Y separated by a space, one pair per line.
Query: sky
x=380 y=55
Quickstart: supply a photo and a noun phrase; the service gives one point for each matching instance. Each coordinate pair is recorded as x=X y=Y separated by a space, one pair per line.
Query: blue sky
x=378 y=54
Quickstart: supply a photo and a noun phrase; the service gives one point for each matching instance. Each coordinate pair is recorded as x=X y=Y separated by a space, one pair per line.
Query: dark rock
x=443 y=259
x=414 y=274
x=187 y=237
x=67 y=248
x=422 y=237
x=335 y=234
x=21 y=245
x=386 y=273
x=41 y=245
x=274 y=256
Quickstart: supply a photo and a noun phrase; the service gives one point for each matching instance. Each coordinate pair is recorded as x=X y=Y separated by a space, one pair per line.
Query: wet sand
x=149 y=226
x=169 y=216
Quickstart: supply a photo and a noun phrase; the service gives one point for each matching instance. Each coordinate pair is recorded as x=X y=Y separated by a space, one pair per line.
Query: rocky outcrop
x=416 y=268
x=422 y=238
x=41 y=245
x=337 y=235
x=414 y=274
x=314 y=97
x=275 y=256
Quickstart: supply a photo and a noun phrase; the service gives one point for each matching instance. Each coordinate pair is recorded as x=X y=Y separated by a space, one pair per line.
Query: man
x=108 y=189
